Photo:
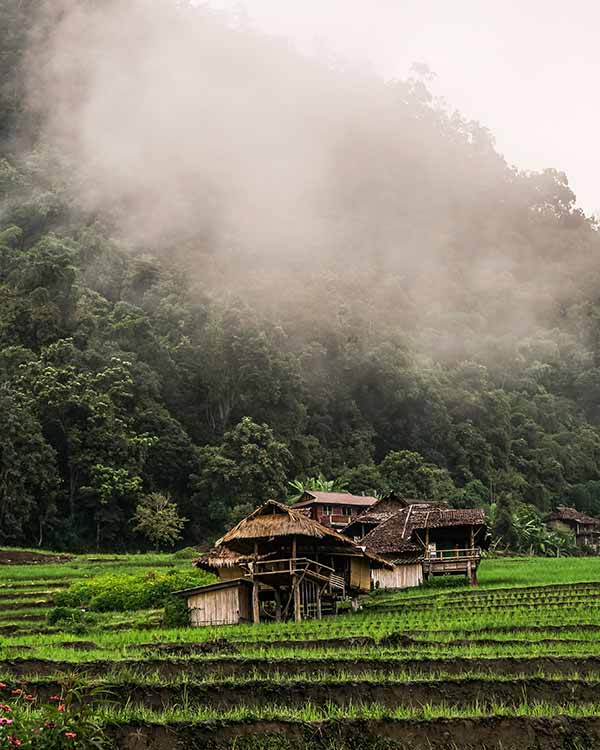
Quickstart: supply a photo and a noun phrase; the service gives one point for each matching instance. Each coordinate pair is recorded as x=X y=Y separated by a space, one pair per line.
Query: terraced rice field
x=514 y=663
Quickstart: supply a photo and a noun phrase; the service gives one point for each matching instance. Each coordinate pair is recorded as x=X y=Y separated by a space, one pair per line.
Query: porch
x=452 y=561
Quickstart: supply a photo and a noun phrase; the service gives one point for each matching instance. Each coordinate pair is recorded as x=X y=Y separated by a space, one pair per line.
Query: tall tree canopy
x=432 y=326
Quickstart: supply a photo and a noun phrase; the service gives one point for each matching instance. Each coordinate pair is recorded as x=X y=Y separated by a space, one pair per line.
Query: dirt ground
x=499 y=733
x=20 y=557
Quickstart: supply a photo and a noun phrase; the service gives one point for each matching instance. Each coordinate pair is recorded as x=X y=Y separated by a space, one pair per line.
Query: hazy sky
x=527 y=69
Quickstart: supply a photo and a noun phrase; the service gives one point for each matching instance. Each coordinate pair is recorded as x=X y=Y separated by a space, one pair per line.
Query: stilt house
x=423 y=541
x=292 y=567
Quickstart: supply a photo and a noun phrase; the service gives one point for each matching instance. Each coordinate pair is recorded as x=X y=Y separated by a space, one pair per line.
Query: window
x=328 y=510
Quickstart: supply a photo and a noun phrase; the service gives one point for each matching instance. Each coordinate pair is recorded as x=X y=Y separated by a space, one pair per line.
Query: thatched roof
x=222 y=557
x=398 y=533
x=562 y=513
x=274 y=519
x=334 y=498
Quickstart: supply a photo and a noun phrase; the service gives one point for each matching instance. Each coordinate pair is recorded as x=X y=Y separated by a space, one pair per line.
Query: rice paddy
x=512 y=663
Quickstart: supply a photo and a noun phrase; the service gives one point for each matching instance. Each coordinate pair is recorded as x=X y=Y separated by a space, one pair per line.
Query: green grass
x=311 y=712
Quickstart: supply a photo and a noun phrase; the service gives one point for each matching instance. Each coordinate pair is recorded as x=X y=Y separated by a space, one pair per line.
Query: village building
x=334 y=509
x=586 y=528
x=423 y=540
x=380 y=511
x=290 y=565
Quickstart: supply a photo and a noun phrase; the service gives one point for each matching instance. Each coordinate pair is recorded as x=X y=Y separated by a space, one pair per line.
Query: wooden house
x=586 y=528
x=380 y=511
x=424 y=540
x=294 y=565
x=334 y=509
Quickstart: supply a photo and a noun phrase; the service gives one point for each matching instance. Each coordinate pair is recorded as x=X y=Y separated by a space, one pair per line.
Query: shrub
x=176 y=612
x=65 y=615
x=185 y=553
x=120 y=593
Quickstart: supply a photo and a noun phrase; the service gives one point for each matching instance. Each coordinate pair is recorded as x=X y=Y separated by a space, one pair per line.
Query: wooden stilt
x=277 y=605
x=297 y=602
x=295 y=583
x=255 y=603
x=319 y=613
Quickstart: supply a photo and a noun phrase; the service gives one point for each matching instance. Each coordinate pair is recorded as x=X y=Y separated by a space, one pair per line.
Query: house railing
x=440 y=555
x=335 y=519
x=299 y=566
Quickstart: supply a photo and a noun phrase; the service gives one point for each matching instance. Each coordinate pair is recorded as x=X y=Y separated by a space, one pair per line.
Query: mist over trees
x=405 y=311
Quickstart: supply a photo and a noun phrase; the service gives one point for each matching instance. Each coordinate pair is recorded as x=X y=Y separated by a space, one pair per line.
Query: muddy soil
x=498 y=733
x=20 y=557
x=224 y=667
x=224 y=646
x=217 y=646
x=259 y=694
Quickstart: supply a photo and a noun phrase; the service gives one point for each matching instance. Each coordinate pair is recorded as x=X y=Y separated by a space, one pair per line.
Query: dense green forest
x=443 y=341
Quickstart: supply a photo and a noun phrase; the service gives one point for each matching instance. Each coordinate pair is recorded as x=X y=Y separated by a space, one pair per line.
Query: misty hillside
x=225 y=266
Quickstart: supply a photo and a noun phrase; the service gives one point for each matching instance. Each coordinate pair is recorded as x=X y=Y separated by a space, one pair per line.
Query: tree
x=408 y=474
x=503 y=528
x=87 y=420
x=28 y=478
x=319 y=483
x=158 y=521
x=246 y=470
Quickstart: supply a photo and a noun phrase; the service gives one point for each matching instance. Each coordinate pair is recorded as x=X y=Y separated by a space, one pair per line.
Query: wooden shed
x=224 y=603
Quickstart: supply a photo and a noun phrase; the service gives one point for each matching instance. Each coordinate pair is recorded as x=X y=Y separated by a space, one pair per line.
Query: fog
x=527 y=70
x=195 y=129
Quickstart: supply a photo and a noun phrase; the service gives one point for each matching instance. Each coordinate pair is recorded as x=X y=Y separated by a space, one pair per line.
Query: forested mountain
x=427 y=321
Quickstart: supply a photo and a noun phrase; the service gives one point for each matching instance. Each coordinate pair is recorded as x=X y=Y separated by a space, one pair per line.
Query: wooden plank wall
x=402 y=577
x=219 y=607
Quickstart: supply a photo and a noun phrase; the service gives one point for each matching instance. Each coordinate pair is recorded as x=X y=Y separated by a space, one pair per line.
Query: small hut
x=424 y=540
x=223 y=603
x=295 y=565
x=586 y=528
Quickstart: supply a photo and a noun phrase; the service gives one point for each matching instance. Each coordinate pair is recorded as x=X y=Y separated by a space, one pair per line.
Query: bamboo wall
x=227 y=606
x=227 y=574
x=360 y=573
x=401 y=577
